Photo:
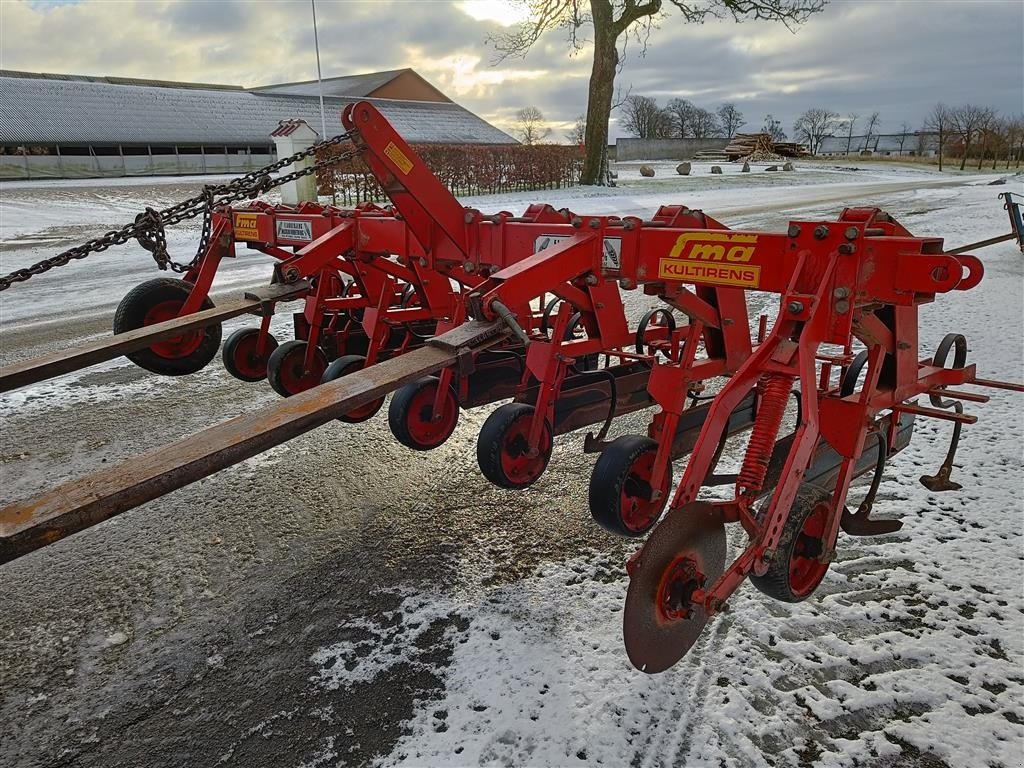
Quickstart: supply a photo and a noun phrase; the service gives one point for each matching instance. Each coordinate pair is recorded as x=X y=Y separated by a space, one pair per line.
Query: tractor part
x=295 y=366
x=683 y=556
x=423 y=415
x=246 y=353
x=79 y=504
x=940 y=481
x=622 y=499
x=346 y=366
x=157 y=301
x=796 y=568
x=654 y=331
x=503 y=447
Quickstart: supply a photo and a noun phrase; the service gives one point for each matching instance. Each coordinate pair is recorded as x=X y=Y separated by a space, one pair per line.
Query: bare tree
x=578 y=133
x=1014 y=139
x=967 y=121
x=681 y=112
x=940 y=123
x=645 y=119
x=870 y=131
x=905 y=131
x=813 y=126
x=730 y=119
x=613 y=22
x=530 y=125
x=704 y=124
x=773 y=128
x=850 y=122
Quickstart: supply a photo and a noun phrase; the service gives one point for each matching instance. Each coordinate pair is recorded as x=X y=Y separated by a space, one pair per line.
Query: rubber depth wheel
x=620 y=487
x=241 y=355
x=155 y=301
x=410 y=412
x=501 y=449
x=343 y=366
x=286 y=368
x=795 y=572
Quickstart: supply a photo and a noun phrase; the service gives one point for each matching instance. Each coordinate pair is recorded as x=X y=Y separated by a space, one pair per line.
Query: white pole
x=319 y=77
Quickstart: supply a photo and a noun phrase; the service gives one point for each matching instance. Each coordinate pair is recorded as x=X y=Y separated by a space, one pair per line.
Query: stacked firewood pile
x=759 y=147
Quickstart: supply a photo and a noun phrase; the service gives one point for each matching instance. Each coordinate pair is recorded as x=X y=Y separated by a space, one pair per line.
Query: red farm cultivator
x=452 y=309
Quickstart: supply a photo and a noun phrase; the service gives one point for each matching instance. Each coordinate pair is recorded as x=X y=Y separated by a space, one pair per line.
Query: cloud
x=899 y=58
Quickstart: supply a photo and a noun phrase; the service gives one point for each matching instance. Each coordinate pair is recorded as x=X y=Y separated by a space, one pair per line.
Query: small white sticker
x=291 y=229
x=611 y=257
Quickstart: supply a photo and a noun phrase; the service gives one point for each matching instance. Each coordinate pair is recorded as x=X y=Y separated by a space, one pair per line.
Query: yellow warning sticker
x=397 y=156
x=738 y=275
x=245 y=226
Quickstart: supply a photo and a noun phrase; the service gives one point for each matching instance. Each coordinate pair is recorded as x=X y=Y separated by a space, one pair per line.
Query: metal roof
x=347 y=86
x=51 y=110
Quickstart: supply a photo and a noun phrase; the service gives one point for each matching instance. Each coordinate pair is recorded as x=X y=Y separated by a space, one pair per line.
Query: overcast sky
x=898 y=58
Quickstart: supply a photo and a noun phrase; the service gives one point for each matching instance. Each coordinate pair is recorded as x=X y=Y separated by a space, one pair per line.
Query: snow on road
x=911 y=653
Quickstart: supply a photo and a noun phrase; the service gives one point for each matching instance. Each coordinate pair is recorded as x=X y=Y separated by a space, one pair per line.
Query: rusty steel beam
x=79 y=504
x=66 y=360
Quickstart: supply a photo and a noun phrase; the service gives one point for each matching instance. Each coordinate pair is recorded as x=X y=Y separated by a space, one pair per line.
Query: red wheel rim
x=676 y=587
x=246 y=358
x=516 y=463
x=637 y=512
x=293 y=375
x=176 y=346
x=805 y=570
x=422 y=428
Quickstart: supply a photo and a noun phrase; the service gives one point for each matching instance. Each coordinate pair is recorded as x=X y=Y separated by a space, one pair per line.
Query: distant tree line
x=679 y=119
x=967 y=131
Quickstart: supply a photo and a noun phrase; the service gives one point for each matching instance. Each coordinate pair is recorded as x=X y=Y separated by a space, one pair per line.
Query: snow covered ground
x=431 y=620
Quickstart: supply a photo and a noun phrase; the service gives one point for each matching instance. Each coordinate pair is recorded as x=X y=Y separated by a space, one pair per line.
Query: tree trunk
x=599 y=101
x=963 y=160
x=940 y=152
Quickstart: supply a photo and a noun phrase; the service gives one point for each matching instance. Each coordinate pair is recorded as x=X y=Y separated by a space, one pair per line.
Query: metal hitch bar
x=64 y=361
x=79 y=504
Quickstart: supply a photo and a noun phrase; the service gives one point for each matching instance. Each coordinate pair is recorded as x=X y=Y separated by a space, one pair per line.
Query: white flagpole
x=319 y=77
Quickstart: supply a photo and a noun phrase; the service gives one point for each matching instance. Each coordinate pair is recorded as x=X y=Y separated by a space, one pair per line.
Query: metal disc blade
x=655 y=642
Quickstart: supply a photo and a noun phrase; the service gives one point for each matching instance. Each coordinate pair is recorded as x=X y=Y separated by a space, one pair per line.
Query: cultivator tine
x=79 y=504
x=66 y=360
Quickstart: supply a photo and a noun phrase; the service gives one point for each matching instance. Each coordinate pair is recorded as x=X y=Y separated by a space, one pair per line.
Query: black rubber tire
x=776 y=580
x=229 y=353
x=343 y=366
x=492 y=439
x=275 y=366
x=612 y=477
x=400 y=407
x=131 y=314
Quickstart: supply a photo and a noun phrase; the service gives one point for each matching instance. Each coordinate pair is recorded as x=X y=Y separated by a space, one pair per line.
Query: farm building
x=910 y=144
x=72 y=126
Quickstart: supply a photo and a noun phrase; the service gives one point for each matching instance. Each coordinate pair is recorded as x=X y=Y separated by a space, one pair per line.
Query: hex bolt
x=847 y=249
x=629 y=225
x=626 y=284
x=469 y=217
x=469 y=267
x=820 y=232
x=591 y=279
x=577 y=222
x=851 y=233
x=795 y=307
x=768 y=555
x=291 y=274
x=842 y=292
x=423 y=261
x=794 y=230
x=842 y=307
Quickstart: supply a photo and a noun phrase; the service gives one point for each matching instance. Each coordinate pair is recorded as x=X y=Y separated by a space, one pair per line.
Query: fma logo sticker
x=716 y=258
x=245 y=226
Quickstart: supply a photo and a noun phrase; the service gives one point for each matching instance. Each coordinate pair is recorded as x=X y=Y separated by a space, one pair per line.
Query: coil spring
x=775 y=389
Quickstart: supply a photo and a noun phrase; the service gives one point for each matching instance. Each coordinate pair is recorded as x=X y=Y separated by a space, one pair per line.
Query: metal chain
x=148 y=227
